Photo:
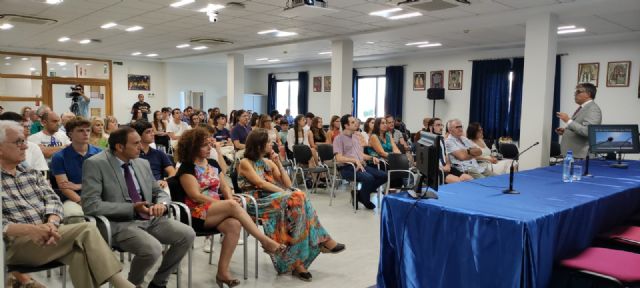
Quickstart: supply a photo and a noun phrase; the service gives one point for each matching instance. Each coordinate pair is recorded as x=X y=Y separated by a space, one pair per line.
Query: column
x=235 y=82
x=537 y=95
x=341 y=74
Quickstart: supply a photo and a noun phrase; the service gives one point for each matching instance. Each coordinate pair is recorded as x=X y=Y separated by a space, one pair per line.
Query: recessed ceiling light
x=53 y=2
x=181 y=3
x=273 y=60
x=52 y=69
x=62 y=63
x=24 y=58
x=285 y=34
x=88 y=64
x=430 y=45
x=371 y=42
x=7 y=64
x=32 y=69
x=136 y=53
x=152 y=55
x=183 y=46
x=568 y=31
x=567 y=27
x=200 y=48
x=324 y=53
x=7 y=58
x=85 y=41
x=268 y=31
x=133 y=28
x=109 y=25
x=6 y=26
x=63 y=39
x=262 y=59
x=417 y=43
x=385 y=13
x=405 y=16
x=211 y=8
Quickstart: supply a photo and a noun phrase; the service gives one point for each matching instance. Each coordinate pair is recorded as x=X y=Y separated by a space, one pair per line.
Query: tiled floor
x=355 y=267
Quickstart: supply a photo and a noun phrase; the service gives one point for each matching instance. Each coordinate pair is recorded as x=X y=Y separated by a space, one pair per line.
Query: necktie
x=131 y=187
x=575 y=113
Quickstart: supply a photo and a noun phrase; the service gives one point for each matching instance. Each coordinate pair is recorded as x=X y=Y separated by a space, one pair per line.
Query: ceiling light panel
x=430 y=45
x=85 y=41
x=136 y=53
x=152 y=55
x=181 y=3
x=386 y=12
x=417 y=43
x=566 y=27
x=405 y=16
x=5 y=26
x=134 y=28
x=109 y=25
x=183 y=46
x=64 y=39
x=200 y=48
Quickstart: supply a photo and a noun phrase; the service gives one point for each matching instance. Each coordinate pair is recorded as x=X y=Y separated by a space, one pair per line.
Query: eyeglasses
x=19 y=142
x=458 y=127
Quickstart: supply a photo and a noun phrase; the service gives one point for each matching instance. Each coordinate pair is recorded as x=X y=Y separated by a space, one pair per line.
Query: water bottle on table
x=567 y=167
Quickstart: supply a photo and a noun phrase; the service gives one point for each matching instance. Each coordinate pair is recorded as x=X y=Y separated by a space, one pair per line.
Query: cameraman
x=79 y=101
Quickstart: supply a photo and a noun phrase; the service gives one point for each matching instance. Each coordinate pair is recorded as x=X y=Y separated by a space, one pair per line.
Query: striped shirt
x=27 y=198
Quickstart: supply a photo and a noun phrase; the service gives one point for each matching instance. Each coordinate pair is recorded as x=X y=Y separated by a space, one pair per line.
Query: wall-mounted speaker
x=435 y=93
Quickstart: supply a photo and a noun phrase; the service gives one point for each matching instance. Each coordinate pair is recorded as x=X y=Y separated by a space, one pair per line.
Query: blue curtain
x=490 y=96
x=303 y=92
x=354 y=94
x=394 y=90
x=515 y=109
x=271 y=93
x=555 y=123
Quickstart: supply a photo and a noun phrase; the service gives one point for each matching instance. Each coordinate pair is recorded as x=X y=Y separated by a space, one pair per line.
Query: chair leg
x=63 y=270
x=245 y=249
x=48 y=273
x=256 y=258
x=190 y=265
x=211 y=249
x=304 y=182
x=121 y=257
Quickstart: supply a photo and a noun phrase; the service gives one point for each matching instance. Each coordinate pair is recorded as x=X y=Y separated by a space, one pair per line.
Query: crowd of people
x=58 y=168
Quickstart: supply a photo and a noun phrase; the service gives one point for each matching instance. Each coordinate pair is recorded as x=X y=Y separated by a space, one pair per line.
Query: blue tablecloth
x=476 y=236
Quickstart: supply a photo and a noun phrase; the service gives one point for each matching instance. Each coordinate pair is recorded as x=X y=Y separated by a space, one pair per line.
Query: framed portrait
x=327 y=83
x=437 y=79
x=618 y=73
x=455 y=80
x=317 y=84
x=588 y=73
x=139 y=82
x=419 y=80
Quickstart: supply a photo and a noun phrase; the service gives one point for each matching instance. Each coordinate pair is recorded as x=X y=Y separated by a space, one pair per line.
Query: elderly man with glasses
x=575 y=135
x=463 y=153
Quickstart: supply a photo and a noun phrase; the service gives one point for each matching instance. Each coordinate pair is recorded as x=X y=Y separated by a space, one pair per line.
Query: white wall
x=212 y=80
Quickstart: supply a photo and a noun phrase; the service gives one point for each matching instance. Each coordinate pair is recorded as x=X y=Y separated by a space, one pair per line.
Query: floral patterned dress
x=288 y=218
x=209 y=182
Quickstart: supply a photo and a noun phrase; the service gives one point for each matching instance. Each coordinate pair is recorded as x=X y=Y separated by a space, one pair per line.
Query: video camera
x=75 y=92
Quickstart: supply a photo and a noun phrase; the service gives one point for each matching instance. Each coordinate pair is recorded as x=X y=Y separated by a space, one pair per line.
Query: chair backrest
x=325 y=152
x=488 y=142
x=302 y=153
x=555 y=150
x=177 y=192
x=509 y=150
x=398 y=161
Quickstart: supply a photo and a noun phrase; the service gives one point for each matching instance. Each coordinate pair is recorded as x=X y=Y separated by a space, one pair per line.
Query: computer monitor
x=614 y=138
x=427 y=162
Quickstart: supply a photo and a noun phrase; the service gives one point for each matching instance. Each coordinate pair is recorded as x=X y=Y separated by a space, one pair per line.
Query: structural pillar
x=341 y=76
x=537 y=91
x=235 y=82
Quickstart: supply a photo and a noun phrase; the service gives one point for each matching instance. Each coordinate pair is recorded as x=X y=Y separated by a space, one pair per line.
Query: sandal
x=304 y=276
x=335 y=250
x=229 y=283
x=278 y=250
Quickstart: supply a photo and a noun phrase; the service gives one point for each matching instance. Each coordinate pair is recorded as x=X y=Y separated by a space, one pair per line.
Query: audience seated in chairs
x=435 y=126
x=462 y=152
x=161 y=138
x=50 y=139
x=160 y=164
x=475 y=133
x=110 y=125
x=381 y=141
x=97 y=137
x=287 y=215
x=367 y=130
x=204 y=186
x=31 y=215
x=176 y=126
x=240 y=132
x=34 y=158
x=66 y=166
x=121 y=187
x=298 y=135
x=348 y=150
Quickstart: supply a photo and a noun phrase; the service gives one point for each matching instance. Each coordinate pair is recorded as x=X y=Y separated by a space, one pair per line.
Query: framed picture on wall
x=455 y=80
x=419 y=81
x=588 y=73
x=317 y=84
x=139 y=82
x=618 y=73
x=327 y=83
x=437 y=79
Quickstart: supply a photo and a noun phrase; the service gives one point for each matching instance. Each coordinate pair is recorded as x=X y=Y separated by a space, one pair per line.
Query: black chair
x=399 y=166
x=508 y=150
x=555 y=153
x=302 y=155
x=488 y=142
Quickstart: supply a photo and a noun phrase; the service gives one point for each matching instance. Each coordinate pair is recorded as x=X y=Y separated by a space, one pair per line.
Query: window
x=371 y=93
x=287 y=96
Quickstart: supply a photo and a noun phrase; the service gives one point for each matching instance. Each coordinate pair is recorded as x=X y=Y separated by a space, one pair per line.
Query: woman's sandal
x=335 y=250
x=229 y=283
x=304 y=276
x=278 y=250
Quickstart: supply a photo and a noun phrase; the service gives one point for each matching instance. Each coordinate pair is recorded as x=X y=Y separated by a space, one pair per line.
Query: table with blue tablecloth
x=476 y=236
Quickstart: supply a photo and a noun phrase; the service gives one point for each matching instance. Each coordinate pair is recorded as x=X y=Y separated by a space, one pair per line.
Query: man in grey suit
x=575 y=136
x=121 y=187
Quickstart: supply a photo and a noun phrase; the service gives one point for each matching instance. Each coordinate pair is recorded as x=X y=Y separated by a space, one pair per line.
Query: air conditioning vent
x=210 y=41
x=14 y=18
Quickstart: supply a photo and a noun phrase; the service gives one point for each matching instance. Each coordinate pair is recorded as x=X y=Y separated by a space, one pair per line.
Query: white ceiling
x=481 y=24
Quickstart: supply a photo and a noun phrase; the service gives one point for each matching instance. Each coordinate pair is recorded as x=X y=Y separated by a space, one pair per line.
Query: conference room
x=481 y=102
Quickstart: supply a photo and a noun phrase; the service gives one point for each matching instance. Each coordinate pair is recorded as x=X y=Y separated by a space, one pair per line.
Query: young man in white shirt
x=50 y=139
x=176 y=127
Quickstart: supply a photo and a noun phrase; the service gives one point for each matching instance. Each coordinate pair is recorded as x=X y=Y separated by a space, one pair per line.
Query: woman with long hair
x=334 y=127
x=319 y=136
x=205 y=189
x=110 y=124
x=232 y=119
x=97 y=137
x=214 y=112
x=195 y=121
x=26 y=112
x=381 y=141
x=367 y=129
x=265 y=122
x=475 y=133
x=159 y=125
x=288 y=216
x=435 y=126
x=136 y=115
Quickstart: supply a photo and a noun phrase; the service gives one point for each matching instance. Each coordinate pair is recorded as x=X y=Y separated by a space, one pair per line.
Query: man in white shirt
x=176 y=127
x=50 y=139
x=463 y=152
x=64 y=118
x=34 y=159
